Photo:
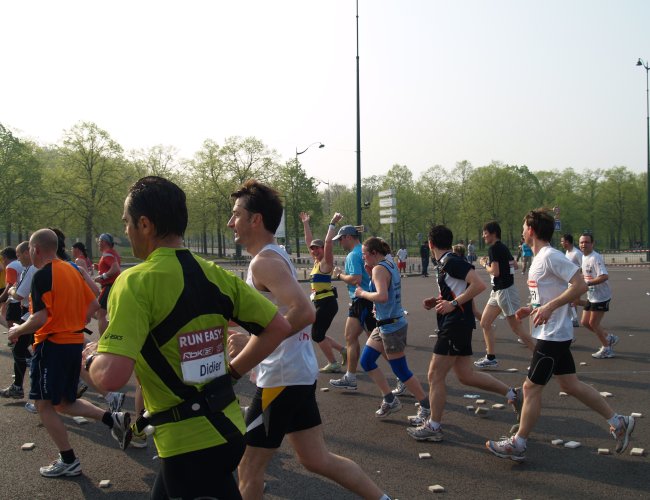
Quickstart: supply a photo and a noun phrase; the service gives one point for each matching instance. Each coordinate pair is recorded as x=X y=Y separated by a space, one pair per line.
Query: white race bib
x=534 y=294
x=202 y=356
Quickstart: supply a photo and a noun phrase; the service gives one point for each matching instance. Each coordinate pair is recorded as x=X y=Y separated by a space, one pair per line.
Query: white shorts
x=507 y=300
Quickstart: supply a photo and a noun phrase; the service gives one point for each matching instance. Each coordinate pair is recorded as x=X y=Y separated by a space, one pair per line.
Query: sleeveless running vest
x=293 y=362
x=390 y=314
x=321 y=283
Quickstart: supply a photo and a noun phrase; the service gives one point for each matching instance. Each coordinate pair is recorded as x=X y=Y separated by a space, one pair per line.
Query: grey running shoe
x=121 y=430
x=486 y=363
x=13 y=391
x=344 y=383
x=30 y=407
x=115 y=401
x=518 y=402
x=331 y=368
x=421 y=417
x=425 y=433
x=612 y=339
x=603 y=353
x=60 y=468
x=623 y=432
x=138 y=439
x=400 y=388
x=507 y=448
x=386 y=409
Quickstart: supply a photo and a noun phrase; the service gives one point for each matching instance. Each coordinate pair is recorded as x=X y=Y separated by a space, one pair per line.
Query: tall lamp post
x=298 y=153
x=645 y=65
x=358 y=131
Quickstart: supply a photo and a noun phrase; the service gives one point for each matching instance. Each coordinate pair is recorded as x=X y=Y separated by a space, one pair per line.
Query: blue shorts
x=55 y=372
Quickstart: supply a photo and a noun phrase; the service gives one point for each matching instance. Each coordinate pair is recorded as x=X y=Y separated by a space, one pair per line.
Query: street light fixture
x=286 y=234
x=645 y=65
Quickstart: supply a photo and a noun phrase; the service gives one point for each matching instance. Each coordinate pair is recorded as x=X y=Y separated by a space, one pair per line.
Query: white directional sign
x=388 y=220
x=388 y=192
x=387 y=202
x=388 y=211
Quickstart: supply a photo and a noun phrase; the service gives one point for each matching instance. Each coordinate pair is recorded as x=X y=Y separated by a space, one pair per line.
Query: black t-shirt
x=452 y=275
x=499 y=253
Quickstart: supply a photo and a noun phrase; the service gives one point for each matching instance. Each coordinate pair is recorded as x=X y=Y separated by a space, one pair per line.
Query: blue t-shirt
x=526 y=251
x=354 y=265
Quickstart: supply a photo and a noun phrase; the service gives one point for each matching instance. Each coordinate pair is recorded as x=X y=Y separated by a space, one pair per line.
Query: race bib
x=202 y=356
x=534 y=294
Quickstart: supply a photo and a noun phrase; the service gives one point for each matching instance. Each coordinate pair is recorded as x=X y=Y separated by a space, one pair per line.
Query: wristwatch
x=89 y=360
x=454 y=303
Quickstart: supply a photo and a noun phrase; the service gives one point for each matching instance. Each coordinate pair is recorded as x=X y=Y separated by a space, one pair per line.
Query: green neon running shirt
x=169 y=289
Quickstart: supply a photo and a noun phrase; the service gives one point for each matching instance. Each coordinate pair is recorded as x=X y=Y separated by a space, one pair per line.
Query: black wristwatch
x=454 y=303
x=89 y=360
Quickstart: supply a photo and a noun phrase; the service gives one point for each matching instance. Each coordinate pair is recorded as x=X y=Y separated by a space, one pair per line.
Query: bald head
x=42 y=247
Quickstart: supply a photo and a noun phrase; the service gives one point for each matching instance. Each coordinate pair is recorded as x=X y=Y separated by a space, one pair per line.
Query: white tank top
x=293 y=362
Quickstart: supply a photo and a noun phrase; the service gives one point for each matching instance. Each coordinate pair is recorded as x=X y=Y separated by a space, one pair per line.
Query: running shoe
x=13 y=391
x=507 y=448
x=60 y=468
x=518 y=402
x=344 y=356
x=612 y=339
x=603 y=353
x=121 y=430
x=30 y=407
x=331 y=368
x=519 y=341
x=623 y=432
x=486 y=363
x=386 y=409
x=115 y=401
x=400 y=388
x=421 y=417
x=81 y=389
x=138 y=439
x=344 y=383
x=425 y=433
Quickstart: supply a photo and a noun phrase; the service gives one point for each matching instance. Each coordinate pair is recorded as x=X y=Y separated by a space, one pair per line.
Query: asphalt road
x=460 y=463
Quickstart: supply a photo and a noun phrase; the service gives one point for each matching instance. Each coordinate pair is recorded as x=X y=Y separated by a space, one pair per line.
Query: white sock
x=614 y=421
x=520 y=442
x=434 y=425
x=352 y=377
x=385 y=497
x=510 y=395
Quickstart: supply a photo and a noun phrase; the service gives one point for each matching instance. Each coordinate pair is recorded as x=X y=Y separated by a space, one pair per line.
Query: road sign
x=387 y=202
x=388 y=220
x=558 y=225
x=388 y=211
x=388 y=192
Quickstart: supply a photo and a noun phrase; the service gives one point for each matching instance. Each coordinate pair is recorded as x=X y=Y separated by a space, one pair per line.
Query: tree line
x=79 y=186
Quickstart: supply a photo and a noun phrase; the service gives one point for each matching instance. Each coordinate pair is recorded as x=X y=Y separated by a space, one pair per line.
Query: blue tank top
x=392 y=308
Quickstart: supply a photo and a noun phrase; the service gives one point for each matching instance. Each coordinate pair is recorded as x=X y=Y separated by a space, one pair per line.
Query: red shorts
x=401 y=265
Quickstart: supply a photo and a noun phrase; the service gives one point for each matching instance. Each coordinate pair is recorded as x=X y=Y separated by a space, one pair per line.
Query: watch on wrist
x=89 y=361
x=454 y=303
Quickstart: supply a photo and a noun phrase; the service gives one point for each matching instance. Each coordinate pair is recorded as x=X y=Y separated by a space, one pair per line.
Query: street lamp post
x=298 y=153
x=645 y=65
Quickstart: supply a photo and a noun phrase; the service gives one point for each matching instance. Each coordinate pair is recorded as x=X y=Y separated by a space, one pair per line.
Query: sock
x=491 y=356
x=385 y=497
x=425 y=404
x=389 y=398
x=614 y=421
x=520 y=442
x=107 y=418
x=434 y=425
x=352 y=377
x=510 y=395
x=67 y=456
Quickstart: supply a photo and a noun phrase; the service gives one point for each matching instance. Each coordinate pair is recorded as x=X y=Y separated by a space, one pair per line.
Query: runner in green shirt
x=169 y=321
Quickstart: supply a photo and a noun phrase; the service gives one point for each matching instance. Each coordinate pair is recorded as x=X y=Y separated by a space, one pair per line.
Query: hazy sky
x=549 y=84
